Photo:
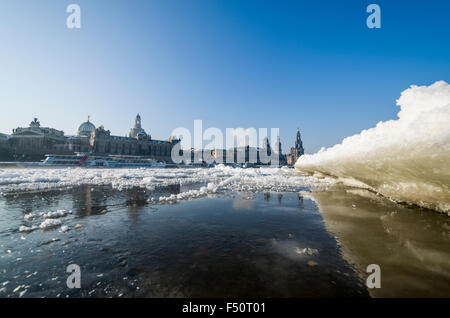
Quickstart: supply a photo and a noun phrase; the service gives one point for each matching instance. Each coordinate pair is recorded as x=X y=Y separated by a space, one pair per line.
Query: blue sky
x=285 y=64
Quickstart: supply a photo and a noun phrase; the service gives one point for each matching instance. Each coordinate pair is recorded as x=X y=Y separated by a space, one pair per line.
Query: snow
x=406 y=159
x=219 y=178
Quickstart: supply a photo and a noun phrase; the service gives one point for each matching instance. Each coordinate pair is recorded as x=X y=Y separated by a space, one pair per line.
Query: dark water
x=230 y=244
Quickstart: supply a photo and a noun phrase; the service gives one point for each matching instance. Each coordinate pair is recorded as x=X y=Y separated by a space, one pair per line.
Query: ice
x=211 y=188
x=29 y=217
x=64 y=229
x=406 y=159
x=50 y=223
x=306 y=251
x=56 y=214
x=217 y=179
x=27 y=229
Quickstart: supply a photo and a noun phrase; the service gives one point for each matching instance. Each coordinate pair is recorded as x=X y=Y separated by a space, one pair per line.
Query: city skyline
x=242 y=137
x=231 y=64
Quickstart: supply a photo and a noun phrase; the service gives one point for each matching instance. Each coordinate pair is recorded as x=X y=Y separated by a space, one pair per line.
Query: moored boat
x=111 y=161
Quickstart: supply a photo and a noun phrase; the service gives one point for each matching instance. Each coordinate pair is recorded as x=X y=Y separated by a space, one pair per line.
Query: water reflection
x=300 y=199
x=411 y=245
x=88 y=200
x=279 y=197
x=128 y=246
x=246 y=205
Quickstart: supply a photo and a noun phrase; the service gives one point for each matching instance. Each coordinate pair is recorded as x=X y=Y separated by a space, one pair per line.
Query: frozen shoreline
x=406 y=159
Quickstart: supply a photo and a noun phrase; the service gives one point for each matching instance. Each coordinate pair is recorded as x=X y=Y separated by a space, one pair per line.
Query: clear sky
x=232 y=63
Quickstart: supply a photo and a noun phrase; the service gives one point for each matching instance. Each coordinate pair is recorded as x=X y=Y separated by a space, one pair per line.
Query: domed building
x=34 y=142
x=137 y=143
x=86 y=128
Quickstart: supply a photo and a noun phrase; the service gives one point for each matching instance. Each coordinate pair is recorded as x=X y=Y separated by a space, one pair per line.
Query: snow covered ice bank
x=407 y=159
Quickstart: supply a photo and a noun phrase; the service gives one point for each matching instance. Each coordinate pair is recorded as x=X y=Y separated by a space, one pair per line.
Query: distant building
x=277 y=148
x=4 y=146
x=86 y=128
x=34 y=142
x=296 y=151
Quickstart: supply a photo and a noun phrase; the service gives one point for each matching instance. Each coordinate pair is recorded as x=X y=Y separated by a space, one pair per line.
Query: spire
x=299 y=143
x=137 y=122
x=278 y=145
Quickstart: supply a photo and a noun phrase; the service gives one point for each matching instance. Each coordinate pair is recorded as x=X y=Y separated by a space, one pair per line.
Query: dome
x=86 y=128
x=142 y=135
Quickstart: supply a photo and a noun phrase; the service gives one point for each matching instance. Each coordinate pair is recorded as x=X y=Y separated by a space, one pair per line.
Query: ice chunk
x=306 y=251
x=64 y=229
x=29 y=217
x=50 y=223
x=406 y=159
x=56 y=214
x=27 y=229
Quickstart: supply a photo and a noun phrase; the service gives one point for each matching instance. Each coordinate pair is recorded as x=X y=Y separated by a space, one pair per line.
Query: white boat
x=111 y=161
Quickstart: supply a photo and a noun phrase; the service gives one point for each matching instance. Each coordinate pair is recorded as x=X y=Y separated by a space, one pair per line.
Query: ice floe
x=14 y=181
x=306 y=251
x=64 y=229
x=209 y=189
x=29 y=217
x=55 y=214
x=50 y=223
x=27 y=229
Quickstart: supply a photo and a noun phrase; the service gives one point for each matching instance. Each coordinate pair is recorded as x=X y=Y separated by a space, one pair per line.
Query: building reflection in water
x=280 y=196
x=88 y=200
x=243 y=205
x=300 y=199
x=30 y=202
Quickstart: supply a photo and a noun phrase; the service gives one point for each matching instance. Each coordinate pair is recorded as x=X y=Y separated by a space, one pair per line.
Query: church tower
x=297 y=151
x=137 y=131
x=299 y=144
x=137 y=122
